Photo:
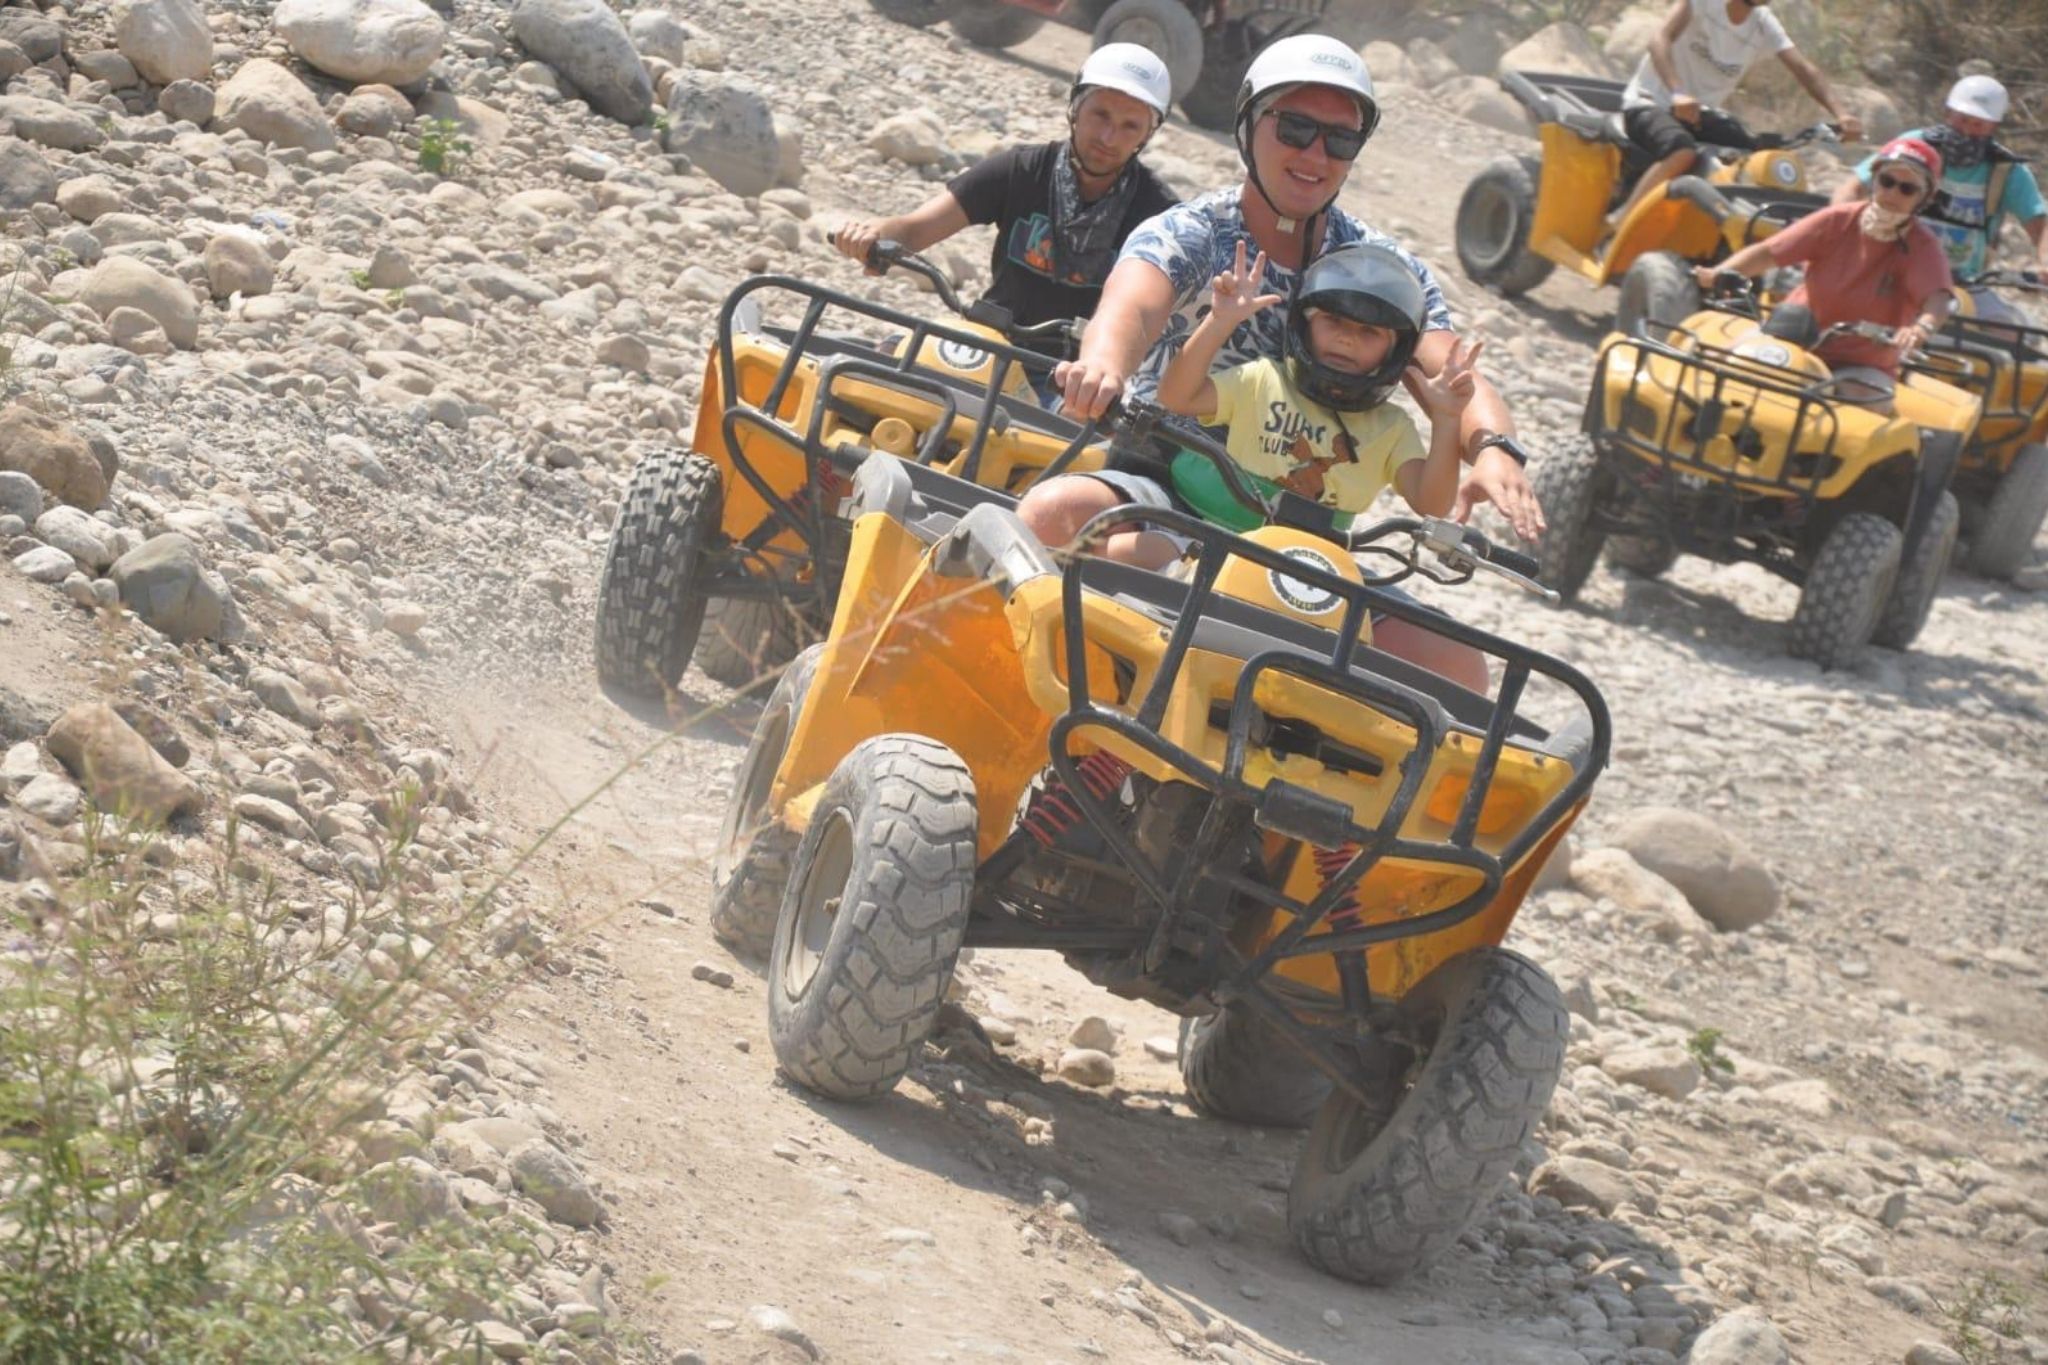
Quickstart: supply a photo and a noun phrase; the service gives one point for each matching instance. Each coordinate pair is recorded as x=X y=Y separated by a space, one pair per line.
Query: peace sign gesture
x=1452 y=388
x=1235 y=297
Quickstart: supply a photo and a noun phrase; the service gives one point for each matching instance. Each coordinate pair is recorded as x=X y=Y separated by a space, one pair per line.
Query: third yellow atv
x=1724 y=437
x=2003 y=482
x=1522 y=216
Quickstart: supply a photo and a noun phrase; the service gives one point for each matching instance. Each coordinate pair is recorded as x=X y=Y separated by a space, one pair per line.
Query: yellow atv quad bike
x=2002 y=483
x=1207 y=790
x=1718 y=437
x=1522 y=216
x=731 y=551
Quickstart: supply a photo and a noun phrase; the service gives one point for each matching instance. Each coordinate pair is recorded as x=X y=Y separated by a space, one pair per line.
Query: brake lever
x=1466 y=551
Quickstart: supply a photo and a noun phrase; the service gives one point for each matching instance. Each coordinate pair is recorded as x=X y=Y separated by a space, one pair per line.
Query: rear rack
x=2004 y=349
x=846 y=359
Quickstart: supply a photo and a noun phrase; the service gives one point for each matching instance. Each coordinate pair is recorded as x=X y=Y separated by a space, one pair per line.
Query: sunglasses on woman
x=1889 y=182
x=1300 y=132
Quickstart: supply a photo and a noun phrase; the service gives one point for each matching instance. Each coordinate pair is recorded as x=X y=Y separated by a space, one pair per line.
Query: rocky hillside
x=332 y=331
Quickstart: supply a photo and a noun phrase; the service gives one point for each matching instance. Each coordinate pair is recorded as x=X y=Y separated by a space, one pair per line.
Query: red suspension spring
x=1055 y=812
x=1330 y=862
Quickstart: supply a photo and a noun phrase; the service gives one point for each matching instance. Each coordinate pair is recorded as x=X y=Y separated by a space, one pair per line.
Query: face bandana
x=1958 y=153
x=1885 y=225
x=1084 y=234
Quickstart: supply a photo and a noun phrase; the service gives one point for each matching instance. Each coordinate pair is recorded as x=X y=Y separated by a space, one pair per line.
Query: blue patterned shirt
x=1194 y=242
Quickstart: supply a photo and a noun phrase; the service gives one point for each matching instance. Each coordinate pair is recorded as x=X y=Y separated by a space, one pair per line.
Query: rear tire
x=1905 y=612
x=1166 y=27
x=744 y=637
x=750 y=869
x=990 y=23
x=650 y=607
x=1567 y=481
x=1378 y=1192
x=1846 y=590
x=917 y=13
x=2004 y=541
x=1227 y=52
x=1237 y=1066
x=1657 y=293
x=873 y=917
x=1492 y=229
x=1643 y=556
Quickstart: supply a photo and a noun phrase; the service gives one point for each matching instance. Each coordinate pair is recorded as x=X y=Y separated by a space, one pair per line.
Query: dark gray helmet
x=1365 y=283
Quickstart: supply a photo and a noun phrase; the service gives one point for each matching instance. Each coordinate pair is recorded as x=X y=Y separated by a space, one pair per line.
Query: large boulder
x=125 y=282
x=389 y=42
x=657 y=33
x=166 y=40
x=117 y=768
x=726 y=126
x=55 y=456
x=38 y=37
x=1563 y=49
x=1611 y=874
x=586 y=44
x=272 y=105
x=50 y=123
x=1744 y=1337
x=1724 y=881
x=1483 y=102
x=25 y=178
x=164 y=581
x=1628 y=38
x=238 y=263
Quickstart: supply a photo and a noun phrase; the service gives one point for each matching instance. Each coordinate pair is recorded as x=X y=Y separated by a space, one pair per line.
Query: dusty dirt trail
x=949 y=1222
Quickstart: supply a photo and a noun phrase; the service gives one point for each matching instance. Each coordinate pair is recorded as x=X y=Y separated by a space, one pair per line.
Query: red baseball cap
x=1916 y=153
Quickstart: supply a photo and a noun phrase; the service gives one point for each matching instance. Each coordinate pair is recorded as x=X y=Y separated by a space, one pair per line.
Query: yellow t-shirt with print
x=1341 y=460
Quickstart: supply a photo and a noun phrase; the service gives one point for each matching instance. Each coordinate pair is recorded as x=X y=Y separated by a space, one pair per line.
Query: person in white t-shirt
x=1694 y=64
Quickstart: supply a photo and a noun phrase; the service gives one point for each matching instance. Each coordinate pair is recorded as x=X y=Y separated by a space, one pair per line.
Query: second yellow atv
x=731 y=551
x=1522 y=216
x=1207 y=790
x=1726 y=437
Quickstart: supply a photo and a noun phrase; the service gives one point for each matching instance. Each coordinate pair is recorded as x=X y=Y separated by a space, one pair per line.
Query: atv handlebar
x=886 y=255
x=1141 y=434
x=2029 y=281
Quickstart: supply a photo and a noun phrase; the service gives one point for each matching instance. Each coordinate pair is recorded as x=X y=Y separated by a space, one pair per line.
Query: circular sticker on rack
x=1306 y=598
x=961 y=356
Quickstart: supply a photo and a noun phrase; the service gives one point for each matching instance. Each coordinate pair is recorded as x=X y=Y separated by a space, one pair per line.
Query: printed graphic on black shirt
x=1031 y=248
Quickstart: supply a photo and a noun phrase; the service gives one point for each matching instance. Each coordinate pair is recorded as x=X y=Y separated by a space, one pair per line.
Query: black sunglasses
x=1300 y=131
x=1893 y=182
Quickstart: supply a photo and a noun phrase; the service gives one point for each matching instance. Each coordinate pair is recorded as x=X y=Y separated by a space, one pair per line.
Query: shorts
x=1988 y=305
x=1141 y=491
x=1658 y=132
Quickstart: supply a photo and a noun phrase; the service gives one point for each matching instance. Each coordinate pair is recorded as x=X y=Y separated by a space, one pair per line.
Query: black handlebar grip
x=1514 y=561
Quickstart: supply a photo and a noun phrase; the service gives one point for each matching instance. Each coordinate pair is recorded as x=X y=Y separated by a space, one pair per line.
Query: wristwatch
x=1505 y=442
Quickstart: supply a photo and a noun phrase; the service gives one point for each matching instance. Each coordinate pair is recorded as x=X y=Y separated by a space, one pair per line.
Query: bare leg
x=1055 y=512
x=1424 y=648
x=1677 y=164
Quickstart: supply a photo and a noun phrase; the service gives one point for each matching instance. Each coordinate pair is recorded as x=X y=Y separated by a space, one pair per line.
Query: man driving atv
x=1695 y=61
x=1982 y=184
x=1865 y=262
x=1061 y=209
x=1304 y=112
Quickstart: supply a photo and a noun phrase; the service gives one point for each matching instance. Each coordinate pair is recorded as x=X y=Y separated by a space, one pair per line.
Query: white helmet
x=1130 y=70
x=1979 y=97
x=1306 y=59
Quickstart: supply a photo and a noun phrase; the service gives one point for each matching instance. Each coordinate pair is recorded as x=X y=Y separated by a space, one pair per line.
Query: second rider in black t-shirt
x=1061 y=209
